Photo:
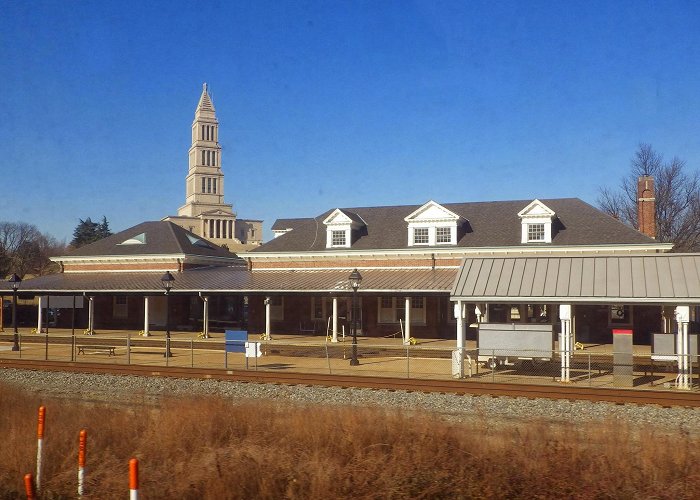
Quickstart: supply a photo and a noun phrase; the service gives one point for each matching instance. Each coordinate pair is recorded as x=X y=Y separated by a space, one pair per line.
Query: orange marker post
x=40 y=445
x=133 y=479
x=29 y=486
x=81 y=460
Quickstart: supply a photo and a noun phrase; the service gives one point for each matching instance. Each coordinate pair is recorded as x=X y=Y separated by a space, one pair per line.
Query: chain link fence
x=585 y=368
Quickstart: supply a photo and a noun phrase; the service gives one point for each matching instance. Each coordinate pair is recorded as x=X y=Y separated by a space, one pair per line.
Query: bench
x=109 y=349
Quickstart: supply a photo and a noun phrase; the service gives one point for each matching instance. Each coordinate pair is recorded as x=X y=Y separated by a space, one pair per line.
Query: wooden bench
x=82 y=349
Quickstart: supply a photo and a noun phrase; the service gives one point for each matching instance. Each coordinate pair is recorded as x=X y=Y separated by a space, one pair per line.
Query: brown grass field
x=210 y=448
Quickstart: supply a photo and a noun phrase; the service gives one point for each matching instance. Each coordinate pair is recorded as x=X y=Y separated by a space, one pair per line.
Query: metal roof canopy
x=220 y=280
x=651 y=279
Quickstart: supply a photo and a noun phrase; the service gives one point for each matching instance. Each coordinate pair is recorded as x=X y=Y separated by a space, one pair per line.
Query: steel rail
x=459 y=387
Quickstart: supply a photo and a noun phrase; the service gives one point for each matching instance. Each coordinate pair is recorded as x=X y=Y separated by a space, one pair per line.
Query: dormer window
x=340 y=225
x=536 y=220
x=338 y=238
x=535 y=232
x=421 y=236
x=431 y=225
x=443 y=235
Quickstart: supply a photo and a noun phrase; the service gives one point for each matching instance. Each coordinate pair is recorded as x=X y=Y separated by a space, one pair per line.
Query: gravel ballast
x=135 y=389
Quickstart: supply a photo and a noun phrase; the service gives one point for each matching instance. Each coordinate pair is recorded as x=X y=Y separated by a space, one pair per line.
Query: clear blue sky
x=326 y=104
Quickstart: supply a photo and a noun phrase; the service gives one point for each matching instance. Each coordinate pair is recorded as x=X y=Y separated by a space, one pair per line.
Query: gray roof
x=283 y=224
x=486 y=224
x=161 y=238
x=658 y=278
x=238 y=280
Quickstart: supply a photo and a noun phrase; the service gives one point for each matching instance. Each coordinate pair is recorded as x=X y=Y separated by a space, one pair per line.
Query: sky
x=327 y=104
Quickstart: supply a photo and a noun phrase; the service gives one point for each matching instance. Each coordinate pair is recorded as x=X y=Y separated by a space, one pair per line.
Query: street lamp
x=15 y=281
x=167 y=280
x=355 y=279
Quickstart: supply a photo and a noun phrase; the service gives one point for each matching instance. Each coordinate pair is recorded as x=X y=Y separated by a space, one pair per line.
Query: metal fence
x=586 y=368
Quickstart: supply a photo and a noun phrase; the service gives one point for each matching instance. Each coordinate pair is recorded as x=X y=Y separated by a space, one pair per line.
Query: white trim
x=572 y=300
x=461 y=251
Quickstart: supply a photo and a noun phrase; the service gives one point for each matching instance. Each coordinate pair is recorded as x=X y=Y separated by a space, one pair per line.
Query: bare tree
x=677 y=198
x=25 y=250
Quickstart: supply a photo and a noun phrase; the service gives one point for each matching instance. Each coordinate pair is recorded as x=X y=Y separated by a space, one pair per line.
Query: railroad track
x=568 y=392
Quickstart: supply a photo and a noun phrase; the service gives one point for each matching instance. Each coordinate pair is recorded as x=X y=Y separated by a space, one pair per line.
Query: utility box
x=623 y=363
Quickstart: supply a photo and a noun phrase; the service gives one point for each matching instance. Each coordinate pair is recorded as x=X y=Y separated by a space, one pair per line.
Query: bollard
x=29 y=486
x=40 y=446
x=133 y=479
x=81 y=460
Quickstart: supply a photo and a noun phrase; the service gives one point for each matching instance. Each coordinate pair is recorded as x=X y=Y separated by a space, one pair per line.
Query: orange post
x=81 y=460
x=40 y=445
x=29 y=486
x=42 y=419
x=133 y=479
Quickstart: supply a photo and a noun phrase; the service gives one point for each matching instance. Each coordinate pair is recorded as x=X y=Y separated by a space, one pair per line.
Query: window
x=392 y=310
x=443 y=235
x=204 y=185
x=338 y=239
x=535 y=232
x=120 y=309
x=214 y=186
x=208 y=184
x=276 y=307
x=420 y=236
x=204 y=157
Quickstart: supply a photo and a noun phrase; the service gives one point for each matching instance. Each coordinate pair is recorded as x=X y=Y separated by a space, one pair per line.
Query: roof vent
x=139 y=239
x=198 y=242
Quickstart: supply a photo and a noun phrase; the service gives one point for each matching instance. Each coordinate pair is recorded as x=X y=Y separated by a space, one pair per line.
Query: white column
x=565 y=343
x=40 y=314
x=146 y=333
x=91 y=314
x=407 y=316
x=683 y=347
x=459 y=310
x=205 y=318
x=267 y=318
x=335 y=319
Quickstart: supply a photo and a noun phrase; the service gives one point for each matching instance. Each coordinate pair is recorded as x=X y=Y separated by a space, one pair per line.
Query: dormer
x=432 y=225
x=536 y=222
x=340 y=225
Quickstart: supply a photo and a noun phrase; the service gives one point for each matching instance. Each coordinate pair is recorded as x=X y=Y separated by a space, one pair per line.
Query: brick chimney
x=646 y=206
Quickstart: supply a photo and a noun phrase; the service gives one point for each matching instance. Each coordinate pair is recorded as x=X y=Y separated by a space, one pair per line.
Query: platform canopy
x=653 y=279
x=235 y=280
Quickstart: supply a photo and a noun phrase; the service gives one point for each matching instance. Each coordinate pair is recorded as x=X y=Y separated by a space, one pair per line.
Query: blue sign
x=236 y=340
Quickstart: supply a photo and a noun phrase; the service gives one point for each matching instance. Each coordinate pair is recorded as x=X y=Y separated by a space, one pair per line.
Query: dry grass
x=209 y=448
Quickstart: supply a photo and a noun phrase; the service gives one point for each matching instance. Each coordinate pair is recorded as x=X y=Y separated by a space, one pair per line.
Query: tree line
x=25 y=250
x=677 y=193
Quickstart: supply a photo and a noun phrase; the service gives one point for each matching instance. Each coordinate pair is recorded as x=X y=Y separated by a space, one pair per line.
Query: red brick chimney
x=646 y=206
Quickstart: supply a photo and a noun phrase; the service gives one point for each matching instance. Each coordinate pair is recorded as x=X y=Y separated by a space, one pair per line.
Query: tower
x=204 y=184
x=205 y=213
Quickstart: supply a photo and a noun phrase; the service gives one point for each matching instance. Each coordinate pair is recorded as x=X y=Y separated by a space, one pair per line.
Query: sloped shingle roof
x=487 y=224
x=161 y=238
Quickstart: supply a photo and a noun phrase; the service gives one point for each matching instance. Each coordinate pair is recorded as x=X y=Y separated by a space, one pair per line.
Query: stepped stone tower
x=205 y=213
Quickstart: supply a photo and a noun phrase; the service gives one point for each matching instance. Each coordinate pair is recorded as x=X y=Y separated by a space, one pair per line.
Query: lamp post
x=167 y=280
x=15 y=281
x=355 y=279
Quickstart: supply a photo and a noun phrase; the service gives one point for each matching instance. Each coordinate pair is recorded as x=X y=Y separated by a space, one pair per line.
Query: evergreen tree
x=88 y=231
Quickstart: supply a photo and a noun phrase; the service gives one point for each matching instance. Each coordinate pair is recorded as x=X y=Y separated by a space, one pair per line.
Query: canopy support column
x=407 y=324
x=146 y=332
x=683 y=347
x=458 y=354
x=335 y=319
x=267 y=318
x=565 y=342
x=205 y=317
x=91 y=316
x=40 y=314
